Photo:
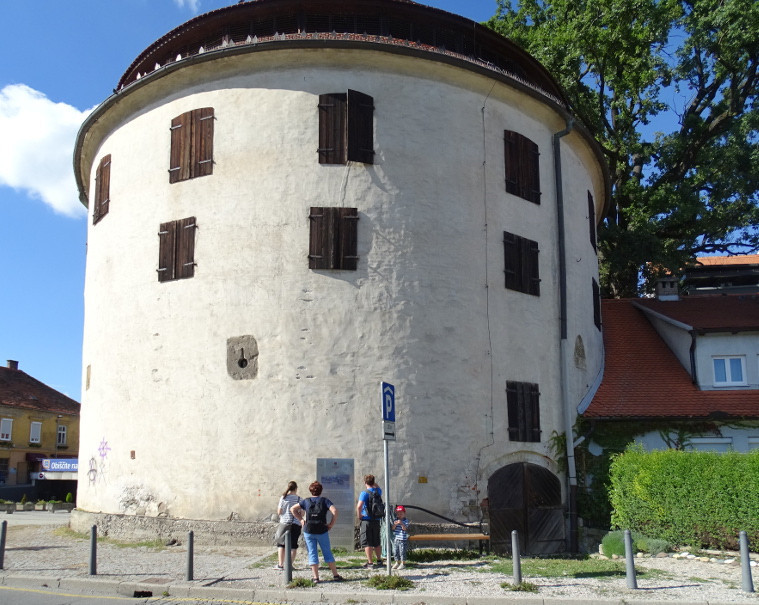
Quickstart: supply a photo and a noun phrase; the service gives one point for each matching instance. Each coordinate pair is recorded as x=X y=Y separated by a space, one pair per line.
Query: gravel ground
x=45 y=551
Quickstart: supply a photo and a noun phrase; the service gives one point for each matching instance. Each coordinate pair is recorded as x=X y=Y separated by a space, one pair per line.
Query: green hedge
x=700 y=499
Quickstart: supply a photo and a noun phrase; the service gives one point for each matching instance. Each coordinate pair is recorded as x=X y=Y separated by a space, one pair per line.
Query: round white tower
x=293 y=201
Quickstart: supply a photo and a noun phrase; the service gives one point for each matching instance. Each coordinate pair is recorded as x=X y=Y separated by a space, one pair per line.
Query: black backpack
x=316 y=517
x=375 y=507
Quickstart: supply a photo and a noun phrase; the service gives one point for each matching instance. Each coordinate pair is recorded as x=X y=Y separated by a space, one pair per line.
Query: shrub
x=382 y=582
x=69 y=497
x=613 y=543
x=23 y=499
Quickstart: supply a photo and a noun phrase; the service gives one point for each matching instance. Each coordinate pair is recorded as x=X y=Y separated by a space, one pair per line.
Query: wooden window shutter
x=202 y=152
x=511 y=260
x=191 y=145
x=511 y=155
x=522 y=164
x=531 y=280
x=596 y=304
x=592 y=220
x=179 y=162
x=533 y=413
x=318 y=250
x=532 y=163
x=167 y=238
x=332 y=127
x=333 y=239
x=185 y=255
x=521 y=264
x=360 y=127
x=512 y=409
x=523 y=409
x=102 y=189
x=347 y=238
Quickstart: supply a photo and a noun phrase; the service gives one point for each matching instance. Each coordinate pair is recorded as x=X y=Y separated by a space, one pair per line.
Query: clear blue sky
x=60 y=59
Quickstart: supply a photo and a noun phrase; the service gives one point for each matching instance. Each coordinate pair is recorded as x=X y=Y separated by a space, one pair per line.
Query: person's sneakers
x=396 y=565
x=338 y=578
x=402 y=566
x=315 y=580
x=367 y=565
x=378 y=565
x=278 y=567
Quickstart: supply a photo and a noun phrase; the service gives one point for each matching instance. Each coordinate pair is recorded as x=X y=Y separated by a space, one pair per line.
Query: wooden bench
x=481 y=538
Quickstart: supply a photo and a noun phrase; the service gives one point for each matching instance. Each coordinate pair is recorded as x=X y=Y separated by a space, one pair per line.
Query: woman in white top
x=287 y=521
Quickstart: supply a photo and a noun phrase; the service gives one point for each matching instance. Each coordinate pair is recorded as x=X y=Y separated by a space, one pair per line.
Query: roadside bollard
x=190 y=555
x=516 y=560
x=93 y=550
x=747 y=583
x=288 y=557
x=632 y=582
x=3 y=530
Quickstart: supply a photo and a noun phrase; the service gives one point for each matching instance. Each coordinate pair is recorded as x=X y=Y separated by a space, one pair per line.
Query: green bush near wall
x=700 y=499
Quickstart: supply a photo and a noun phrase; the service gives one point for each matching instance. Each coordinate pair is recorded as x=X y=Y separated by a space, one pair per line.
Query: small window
x=191 y=145
x=176 y=254
x=6 y=428
x=522 y=166
x=729 y=371
x=346 y=128
x=592 y=220
x=61 y=434
x=596 y=304
x=333 y=238
x=521 y=264
x=35 y=432
x=523 y=406
x=102 y=189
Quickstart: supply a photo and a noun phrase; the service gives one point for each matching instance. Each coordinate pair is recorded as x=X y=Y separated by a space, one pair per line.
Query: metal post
x=190 y=555
x=747 y=584
x=515 y=556
x=288 y=556
x=3 y=530
x=94 y=550
x=632 y=582
x=388 y=525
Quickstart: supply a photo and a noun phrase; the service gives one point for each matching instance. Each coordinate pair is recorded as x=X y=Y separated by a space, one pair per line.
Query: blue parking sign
x=388 y=402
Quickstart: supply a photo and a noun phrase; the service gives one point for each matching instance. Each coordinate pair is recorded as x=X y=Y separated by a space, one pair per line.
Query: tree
x=688 y=191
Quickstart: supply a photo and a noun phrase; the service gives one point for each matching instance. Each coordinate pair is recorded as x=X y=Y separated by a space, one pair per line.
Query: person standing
x=400 y=537
x=312 y=513
x=287 y=522
x=369 y=532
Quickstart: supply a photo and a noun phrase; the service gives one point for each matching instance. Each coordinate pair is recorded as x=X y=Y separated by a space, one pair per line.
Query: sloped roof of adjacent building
x=738 y=259
x=19 y=390
x=642 y=377
x=728 y=313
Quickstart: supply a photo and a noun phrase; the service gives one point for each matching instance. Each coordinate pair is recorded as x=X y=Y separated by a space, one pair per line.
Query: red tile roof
x=19 y=390
x=719 y=313
x=740 y=259
x=643 y=378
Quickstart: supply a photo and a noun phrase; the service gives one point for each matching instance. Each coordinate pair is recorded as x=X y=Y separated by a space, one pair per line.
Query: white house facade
x=291 y=202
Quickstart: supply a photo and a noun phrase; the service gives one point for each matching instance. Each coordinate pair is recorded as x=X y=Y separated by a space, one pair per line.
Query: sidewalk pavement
x=41 y=554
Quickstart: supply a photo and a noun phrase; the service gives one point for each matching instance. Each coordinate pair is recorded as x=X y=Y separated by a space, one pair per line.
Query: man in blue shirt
x=369 y=533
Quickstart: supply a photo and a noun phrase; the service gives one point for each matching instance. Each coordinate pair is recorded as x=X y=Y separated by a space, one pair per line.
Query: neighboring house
x=737 y=274
x=292 y=201
x=37 y=423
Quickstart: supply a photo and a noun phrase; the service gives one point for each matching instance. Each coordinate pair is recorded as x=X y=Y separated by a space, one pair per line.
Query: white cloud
x=36 y=147
x=193 y=5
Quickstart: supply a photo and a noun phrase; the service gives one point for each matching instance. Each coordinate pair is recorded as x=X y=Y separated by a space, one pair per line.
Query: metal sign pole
x=389 y=529
x=387 y=397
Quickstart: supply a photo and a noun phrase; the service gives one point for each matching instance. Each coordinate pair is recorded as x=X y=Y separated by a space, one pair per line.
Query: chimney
x=667 y=288
x=12 y=364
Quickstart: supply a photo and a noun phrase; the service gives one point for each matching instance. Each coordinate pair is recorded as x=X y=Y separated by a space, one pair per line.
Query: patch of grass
x=570 y=567
x=425 y=555
x=523 y=587
x=382 y=582
x=301 y=583
x=65 y=532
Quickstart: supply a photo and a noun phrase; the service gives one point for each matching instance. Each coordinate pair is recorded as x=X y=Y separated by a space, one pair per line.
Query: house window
x=102 y=189
x=710 y=444
x=333 y=238
x=61 y=435
x=35 y=432
x=6 y=428
x=729 y=371
x=596 y=304
x=522 y=166
x=592 y=220
x=523 y=406
x=521 y=264
x=176 y=254
x=191 y=145
x=346 y=128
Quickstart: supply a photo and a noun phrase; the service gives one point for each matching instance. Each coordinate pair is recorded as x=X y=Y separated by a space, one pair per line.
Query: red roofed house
x=37 y=423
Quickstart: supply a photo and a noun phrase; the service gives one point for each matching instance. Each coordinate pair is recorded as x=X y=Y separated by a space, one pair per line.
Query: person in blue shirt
x=400 y=537
x=369 y=532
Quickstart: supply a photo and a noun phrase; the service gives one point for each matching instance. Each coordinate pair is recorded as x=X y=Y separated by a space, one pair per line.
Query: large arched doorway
x=526 y=497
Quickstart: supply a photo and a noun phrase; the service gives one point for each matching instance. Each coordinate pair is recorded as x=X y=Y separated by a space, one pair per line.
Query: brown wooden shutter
x=533 y=413
x=523 y=409
x=318 y=254
x=531 y=279
x=346 y=220
x=511 y=155
x=522 y=165
x=179 y=161
x=592 y=220
x=360 y=127
x=185 y=255
x=202 y=140
x=102 y=189
x=532 y=163
x=596 y=304
x=333 y=238
x=332 y=127
x=167 y=235
x=511 y=260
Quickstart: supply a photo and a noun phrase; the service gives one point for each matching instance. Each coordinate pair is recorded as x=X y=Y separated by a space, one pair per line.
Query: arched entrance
x=526 y=497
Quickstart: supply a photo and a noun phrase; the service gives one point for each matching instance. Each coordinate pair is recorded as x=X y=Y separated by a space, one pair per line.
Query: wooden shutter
x=332 y=127
x=596 y=304
x=523 y=408
x=346 y=241
x=202 y=140
x=530 y=267
x=360 y=127
x=533 y=413
x=522 y=164
x=521 y=264
x=102 y=189
x=318 y=254
x=333 y=238
x=179 y=162
x=185 y=255
x=511 y=260
x=167 y=237
x=592 y=220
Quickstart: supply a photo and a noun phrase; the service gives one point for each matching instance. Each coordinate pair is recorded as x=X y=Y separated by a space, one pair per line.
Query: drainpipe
x=563 y=344
x=692 y=353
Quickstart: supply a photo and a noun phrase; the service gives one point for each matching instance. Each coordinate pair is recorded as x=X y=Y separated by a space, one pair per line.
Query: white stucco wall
x=165 y=429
